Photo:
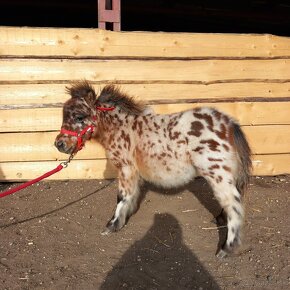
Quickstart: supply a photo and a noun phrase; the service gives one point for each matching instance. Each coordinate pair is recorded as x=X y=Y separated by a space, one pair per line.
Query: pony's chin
x=68 y=151
x=72 y=150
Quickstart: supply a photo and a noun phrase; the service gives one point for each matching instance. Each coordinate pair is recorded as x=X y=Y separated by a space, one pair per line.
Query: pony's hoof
x=112 y=226
x=222 y=254
x=106 y=232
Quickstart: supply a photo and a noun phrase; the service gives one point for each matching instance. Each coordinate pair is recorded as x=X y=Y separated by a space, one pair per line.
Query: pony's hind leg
x=127 y=199
x=229 y=198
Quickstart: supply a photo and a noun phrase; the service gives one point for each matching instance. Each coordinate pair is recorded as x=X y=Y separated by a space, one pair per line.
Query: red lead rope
x=28 y=183
x=62 y=165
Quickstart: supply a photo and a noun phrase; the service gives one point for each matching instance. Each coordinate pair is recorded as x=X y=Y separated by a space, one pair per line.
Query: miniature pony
x=166 y=150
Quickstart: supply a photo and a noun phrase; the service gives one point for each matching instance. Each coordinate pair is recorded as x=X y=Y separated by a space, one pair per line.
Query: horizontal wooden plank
x=30 y=94
x=271 y=164
x=192 y=71
x=263 y=113
x=268 y=139
x=40 y=147
x=271 y=139
x=50 y=119
x=98 y=169
x=77 y=42
x=78 y=169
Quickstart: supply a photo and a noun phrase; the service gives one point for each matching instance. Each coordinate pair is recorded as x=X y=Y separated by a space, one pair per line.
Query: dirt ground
x=50 y=239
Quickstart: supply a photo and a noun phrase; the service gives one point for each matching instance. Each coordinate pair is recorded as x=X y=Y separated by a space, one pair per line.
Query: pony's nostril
x=60 y=144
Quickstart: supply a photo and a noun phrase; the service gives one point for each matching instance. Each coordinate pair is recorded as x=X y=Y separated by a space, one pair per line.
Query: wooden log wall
x=247 y=76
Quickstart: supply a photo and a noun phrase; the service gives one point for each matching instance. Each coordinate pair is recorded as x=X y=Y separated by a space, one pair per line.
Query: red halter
x=89 y=128
x=80 y=135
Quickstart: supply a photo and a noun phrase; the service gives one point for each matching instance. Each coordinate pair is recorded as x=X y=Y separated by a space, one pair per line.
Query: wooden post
x=109 y=11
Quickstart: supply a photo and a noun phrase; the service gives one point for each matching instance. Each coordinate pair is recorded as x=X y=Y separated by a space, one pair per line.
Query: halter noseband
x=79 y=135
x=89 y=128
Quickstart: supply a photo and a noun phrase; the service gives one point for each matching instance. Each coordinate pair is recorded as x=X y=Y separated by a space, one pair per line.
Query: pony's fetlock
x=229 y=248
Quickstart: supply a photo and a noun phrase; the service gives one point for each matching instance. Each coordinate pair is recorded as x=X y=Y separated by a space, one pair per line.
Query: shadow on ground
x=203 y=192
x=160 y=260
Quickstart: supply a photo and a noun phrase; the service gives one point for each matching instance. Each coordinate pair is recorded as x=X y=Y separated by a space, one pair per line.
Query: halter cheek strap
x=105 y=109
x=79 y=135
x=89 y=128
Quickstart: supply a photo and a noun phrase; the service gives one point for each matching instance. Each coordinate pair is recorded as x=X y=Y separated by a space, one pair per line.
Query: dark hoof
x=229 y=250
x=111 y=227
x=222 y=254
x=106 y=232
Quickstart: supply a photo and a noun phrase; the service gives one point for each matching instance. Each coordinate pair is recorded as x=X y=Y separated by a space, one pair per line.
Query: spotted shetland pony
x=167 y=150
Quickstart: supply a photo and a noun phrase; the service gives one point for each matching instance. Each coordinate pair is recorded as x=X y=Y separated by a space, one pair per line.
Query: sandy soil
x=50 y=239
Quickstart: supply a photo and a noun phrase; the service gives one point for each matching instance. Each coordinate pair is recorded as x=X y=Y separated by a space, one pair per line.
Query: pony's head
x=78 y=118
x=85 y=115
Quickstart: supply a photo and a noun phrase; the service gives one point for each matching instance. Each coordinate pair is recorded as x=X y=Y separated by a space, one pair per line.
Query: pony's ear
x=90 y=98
x=82 y=90
x=111 y=95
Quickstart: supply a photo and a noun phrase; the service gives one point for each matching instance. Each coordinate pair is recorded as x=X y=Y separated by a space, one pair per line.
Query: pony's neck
x=108 y=124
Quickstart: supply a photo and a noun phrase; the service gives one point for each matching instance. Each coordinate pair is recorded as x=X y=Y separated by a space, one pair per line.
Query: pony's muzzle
x=60 y=145
x=64 y=144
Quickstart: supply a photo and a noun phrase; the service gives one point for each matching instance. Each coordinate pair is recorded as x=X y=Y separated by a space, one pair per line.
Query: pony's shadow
x=203 y=192
x=4 y=185
x=160 y=260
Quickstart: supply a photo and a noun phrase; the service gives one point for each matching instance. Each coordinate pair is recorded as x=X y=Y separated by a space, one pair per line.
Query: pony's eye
x=79 y=118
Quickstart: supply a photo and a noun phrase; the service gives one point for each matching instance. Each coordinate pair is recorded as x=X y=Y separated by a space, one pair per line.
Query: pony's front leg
x=127 y=199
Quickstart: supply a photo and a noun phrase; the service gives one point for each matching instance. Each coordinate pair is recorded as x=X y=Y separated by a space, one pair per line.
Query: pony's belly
x=171 y=175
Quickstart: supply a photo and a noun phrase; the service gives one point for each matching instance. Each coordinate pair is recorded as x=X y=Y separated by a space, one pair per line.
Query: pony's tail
x=244 y=158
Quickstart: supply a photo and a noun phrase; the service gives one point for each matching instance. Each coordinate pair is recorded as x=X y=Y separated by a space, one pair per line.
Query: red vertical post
x=109 y=11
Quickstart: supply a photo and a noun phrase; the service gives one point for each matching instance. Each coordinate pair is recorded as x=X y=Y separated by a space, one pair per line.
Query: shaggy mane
x=80 y=89
x=112 y=95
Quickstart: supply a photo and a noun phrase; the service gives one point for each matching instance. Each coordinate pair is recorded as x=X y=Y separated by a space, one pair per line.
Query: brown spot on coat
x=215 y=166
x=237 y=211
x=231 y=136
x=222 y=133
x=174 y=135
x=237 y=198
x=212 y=144
x=198 y=149
x=206 y=117
x=214 y=159
x=134 y=126
x=226 y=168
x=196 y=128
x=157 y=127
x=126 y=139
x=145 y=120
x=140 y=128
x=226 y=119
x=226 y=147
x=217 y=114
